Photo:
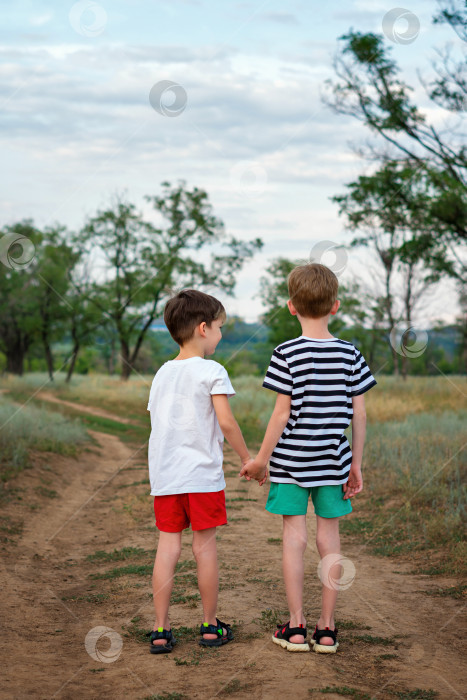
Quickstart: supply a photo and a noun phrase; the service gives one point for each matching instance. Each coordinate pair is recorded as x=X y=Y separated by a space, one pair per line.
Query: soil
x=395 y=641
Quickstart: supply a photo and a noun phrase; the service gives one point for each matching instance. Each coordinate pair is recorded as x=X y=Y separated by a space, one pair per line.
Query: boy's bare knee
x=204 y=543
x=296 y=540
x=170 y=545
x=327 y=542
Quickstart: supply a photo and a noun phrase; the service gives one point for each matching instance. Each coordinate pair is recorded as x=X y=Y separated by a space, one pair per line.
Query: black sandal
x=324 y=648
x=282 y=636
x=217 y=629
x=161 y=633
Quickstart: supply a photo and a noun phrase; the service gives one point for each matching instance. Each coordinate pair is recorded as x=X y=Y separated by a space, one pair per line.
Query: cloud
x=40 y=20
x=280 y=17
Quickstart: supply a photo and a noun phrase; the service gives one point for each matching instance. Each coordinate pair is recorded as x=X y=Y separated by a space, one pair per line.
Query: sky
x=84 y=115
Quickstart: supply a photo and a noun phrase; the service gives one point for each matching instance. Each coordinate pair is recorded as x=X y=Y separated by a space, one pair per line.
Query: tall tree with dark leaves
x=139 y=264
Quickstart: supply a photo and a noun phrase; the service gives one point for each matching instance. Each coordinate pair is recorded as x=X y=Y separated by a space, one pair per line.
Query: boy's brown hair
x=312 y=289
x=188 y=309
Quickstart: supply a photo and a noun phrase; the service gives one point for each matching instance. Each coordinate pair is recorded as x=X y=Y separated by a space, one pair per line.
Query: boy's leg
x=294 y=542
x=167 y=556
x=205 y=553
x=328 y=542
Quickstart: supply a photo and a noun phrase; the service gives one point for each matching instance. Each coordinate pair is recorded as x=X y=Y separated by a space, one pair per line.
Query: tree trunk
x=48 y=356
x=72 y=363
x=388 y=304
x=15 y=361
x=125 y=357
x=395 y=354
x=408 y=320
x=111 y=358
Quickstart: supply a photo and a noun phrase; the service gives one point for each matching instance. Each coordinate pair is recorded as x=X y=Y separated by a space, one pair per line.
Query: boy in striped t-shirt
x=320 y=381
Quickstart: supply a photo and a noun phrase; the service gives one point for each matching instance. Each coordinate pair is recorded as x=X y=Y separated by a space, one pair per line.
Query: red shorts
x=177 y=511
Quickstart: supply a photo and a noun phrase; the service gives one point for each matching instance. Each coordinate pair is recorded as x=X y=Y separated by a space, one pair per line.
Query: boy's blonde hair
x=312 y=289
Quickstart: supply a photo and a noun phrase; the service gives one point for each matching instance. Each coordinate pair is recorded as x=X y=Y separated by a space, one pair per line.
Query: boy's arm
x=230 y=427
x=279 y=418
x=355 y=481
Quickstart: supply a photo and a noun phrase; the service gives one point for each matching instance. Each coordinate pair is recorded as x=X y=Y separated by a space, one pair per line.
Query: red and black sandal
x=282 y=637
x=324 y=648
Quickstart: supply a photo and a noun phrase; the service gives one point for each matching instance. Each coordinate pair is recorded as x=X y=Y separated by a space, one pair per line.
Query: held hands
x=354 y=483
x=253 y=469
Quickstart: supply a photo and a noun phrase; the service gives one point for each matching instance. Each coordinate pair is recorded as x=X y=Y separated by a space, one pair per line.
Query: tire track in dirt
x=90 y=410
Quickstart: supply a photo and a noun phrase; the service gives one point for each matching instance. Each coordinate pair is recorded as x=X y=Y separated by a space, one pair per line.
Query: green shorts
x=291 y=499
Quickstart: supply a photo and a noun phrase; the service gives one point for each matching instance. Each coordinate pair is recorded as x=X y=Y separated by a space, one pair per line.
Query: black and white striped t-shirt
x=321 y=376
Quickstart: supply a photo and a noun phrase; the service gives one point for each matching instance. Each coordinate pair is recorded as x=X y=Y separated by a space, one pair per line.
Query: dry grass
x=393 y=399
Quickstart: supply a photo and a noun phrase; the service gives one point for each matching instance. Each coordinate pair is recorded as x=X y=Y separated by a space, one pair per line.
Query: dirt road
x=395 y=641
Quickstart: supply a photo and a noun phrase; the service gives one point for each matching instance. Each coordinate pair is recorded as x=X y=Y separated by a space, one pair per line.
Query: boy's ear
x=202 y=329
x=335 y=307
x=291 y=308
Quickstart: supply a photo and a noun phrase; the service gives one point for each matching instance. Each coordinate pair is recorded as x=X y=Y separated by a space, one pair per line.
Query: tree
x=387 y=210
x=274 y=293
x=54 y=262
x=84 y=319
x=19 y=323
x=369 y=88
x=142 y=263
x=353 y=312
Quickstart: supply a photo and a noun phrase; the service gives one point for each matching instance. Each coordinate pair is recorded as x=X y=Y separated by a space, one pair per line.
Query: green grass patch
x=457 y=592
x=130 y=570
x=234 y=686
x=355 y=526
x=181 y=578
x=27 y=427
x=186 y=565
x=191 y=599
x=186 y=634
x=45 y=492
x=135 y=632
x=351 y=625
x=10 y=528
x=415 y=477
x=134 y=483
x=385 y=657
x=124 y=431
x=342 y=690
x=94 y=598
x=269 y=618
x=119 y=554
x=275 y=540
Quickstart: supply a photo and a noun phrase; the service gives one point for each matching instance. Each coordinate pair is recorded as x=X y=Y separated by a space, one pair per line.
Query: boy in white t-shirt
x=190 y=415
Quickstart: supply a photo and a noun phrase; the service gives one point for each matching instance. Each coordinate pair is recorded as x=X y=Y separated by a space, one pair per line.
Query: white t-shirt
x=185 y=451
